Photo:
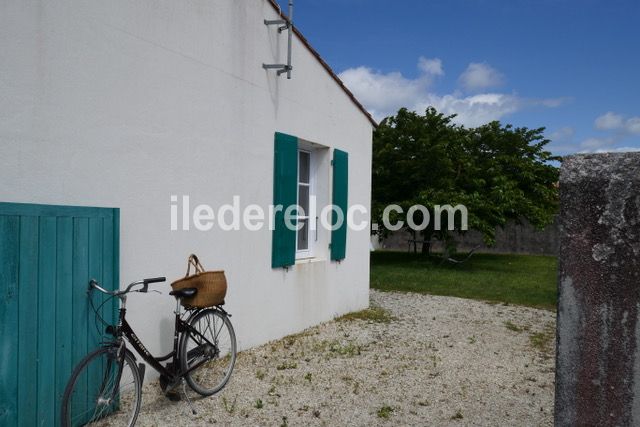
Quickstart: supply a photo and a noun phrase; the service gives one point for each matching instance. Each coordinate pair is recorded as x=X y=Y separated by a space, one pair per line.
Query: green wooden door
x=48 y=254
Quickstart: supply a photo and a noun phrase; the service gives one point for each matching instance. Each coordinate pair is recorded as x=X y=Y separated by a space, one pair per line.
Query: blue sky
x=569 y=66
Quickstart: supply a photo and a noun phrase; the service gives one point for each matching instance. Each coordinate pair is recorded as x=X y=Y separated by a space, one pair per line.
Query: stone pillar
x=598 y=348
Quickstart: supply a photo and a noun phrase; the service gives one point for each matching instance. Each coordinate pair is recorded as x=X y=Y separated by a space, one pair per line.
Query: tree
x=499 y=173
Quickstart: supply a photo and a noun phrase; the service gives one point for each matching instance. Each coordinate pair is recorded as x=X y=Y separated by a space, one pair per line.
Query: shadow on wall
x=513 y=238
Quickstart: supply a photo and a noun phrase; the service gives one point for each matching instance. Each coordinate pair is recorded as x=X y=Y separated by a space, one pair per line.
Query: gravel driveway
x=414 y=360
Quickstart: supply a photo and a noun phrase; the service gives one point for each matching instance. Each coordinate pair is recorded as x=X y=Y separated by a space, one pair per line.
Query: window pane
x=303 y=199
x=303 y=235
x=303 y=166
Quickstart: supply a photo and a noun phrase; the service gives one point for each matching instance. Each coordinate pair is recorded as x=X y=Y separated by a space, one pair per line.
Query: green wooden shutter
x=340 y=200
x=285 y=189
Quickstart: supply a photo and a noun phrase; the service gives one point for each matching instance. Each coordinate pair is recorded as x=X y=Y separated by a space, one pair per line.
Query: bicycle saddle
x=184 y=293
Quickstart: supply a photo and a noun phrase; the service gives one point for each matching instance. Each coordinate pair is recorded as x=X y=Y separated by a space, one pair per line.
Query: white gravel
x=442 y=361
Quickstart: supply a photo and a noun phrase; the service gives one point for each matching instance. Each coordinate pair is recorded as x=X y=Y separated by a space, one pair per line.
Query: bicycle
x=107 y=384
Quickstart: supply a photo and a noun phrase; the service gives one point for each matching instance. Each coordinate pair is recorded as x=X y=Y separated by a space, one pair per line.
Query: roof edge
x=326 y=66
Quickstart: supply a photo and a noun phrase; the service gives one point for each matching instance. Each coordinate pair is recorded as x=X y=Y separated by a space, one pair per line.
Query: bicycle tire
x=96 y=360
x=193 y=350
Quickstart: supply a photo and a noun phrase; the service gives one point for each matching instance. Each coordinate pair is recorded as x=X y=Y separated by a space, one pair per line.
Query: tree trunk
x=426 y=243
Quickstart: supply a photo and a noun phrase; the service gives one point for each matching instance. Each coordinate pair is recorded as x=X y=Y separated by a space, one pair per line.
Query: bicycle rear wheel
x=212 y=348
x=102 y=391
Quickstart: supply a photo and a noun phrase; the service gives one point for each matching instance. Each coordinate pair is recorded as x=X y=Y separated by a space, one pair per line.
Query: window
x=302 y=175
x=304 y=246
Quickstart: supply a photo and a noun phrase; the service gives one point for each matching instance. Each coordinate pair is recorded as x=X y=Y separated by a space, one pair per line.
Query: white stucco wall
x=123 y=104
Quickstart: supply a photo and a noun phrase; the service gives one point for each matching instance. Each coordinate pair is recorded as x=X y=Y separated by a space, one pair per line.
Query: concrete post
x=598 y=349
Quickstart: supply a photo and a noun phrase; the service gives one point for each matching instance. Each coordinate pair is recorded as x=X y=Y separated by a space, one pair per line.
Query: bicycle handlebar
x=94 y=284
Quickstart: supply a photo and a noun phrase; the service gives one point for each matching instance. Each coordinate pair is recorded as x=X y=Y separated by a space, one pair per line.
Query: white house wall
x=123 y=104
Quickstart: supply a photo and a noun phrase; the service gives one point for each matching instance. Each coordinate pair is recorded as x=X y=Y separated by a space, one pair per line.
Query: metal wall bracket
x=282 y=68
x=284 y=24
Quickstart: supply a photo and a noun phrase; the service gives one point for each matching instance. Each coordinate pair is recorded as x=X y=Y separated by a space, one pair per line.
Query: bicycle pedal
x=169 y=389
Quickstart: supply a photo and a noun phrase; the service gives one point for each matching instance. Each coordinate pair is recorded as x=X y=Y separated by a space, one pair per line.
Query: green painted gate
x=48 y=254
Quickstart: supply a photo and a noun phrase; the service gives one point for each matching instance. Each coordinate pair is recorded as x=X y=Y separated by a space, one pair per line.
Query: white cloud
x=597 y=144
x=604 y=145
x=473 y=110
x=431 y=66
x=609 y=121
x=617 y=122
x=479 y=76
x=618 y=150
x=617 y=128
x=633 y=125
x=383 y=94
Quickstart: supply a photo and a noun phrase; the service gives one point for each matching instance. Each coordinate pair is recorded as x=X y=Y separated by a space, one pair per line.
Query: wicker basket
x=211 y=285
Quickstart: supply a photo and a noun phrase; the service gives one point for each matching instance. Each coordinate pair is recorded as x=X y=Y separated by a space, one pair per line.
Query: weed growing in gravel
x=515 y=328
x=260 y=374
x=273 y=396
x=373 y=314
x=284 y=422
x=472 y=339
x=259 y=404
x=283 y=380
x=350 y=380
x=385 y=412
x=337 y=348
x=349 y=349
x=457 y=416
x=272 y=391
x=308 y=376
x=287 y=365
x=356 y=387
x=291 y=340
x=434 y=359
x=230 y=408
x=542 y=341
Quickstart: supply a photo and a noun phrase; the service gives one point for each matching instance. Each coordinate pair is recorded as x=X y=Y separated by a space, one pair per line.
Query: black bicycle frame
x=124 y=329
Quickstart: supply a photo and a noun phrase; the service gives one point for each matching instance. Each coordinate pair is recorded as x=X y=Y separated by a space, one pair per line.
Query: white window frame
x=311 y=237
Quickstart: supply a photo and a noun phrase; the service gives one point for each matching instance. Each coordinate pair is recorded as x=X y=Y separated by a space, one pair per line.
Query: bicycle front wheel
x=208 y=352
x=103 y=391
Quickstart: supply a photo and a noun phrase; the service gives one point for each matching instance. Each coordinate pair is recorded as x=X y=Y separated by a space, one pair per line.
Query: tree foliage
x=498 y=172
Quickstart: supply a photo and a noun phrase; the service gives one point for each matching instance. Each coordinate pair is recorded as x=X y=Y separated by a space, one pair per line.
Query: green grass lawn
x=514 y=279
